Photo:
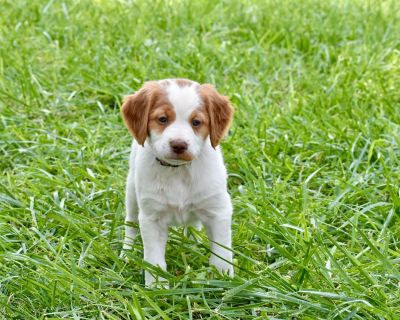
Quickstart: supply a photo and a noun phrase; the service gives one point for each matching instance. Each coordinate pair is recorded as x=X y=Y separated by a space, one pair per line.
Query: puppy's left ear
x=135 y=110
x=220 y=112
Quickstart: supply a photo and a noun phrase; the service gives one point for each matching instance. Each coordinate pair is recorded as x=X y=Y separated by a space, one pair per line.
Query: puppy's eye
x=196 y=123
x=163 y=119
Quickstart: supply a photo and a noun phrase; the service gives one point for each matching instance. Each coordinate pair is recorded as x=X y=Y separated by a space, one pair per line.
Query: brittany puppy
x=176 y=170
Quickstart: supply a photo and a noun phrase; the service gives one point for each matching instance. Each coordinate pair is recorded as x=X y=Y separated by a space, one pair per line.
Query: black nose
x=178 y=146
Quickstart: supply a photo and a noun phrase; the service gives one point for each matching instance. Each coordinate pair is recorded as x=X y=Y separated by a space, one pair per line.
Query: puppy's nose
x=178 y=146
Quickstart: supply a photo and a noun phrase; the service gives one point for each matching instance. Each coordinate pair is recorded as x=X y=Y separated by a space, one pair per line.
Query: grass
x=313 y=157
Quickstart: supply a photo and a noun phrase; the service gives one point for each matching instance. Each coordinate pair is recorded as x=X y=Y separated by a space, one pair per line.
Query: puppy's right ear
x=135 y=110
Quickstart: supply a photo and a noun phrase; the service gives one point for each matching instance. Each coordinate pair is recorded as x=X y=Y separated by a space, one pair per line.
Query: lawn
x=313 y=157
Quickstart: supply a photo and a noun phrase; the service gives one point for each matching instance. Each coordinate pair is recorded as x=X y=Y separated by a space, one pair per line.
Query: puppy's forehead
x=183 y=96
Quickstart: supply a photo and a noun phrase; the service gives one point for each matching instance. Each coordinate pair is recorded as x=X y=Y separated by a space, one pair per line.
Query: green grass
x=313 y=157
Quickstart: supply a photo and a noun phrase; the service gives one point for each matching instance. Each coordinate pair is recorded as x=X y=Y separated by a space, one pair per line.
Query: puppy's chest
x=175 y=194
x=175 y=198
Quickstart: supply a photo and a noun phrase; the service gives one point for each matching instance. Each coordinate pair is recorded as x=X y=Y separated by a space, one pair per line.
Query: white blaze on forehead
x=184 y=99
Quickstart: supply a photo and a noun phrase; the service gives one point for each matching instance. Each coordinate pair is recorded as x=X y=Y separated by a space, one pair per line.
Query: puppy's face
x=176 y=117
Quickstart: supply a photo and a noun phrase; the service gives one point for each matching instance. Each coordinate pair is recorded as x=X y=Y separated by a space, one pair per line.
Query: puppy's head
x=176 y=117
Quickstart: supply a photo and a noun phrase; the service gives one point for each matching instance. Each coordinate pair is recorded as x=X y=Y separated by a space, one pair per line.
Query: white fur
x=159 y=196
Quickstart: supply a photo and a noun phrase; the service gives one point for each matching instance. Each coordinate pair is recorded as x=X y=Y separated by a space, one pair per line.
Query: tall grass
x=313 y=157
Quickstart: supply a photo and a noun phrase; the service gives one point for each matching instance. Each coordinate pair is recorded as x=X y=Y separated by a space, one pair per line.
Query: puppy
x=176 y=170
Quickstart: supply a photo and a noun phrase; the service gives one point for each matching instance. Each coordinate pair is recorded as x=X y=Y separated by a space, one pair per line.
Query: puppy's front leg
x=219 y=234
x=154 y=235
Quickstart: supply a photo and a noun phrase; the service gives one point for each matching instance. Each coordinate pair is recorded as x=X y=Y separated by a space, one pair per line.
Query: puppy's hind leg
x=218 y=226
x=132 y=212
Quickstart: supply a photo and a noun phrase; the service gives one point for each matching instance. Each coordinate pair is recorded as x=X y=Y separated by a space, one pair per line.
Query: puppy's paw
x=224 y=267
x=130 y=235
x=123 y=256
x=155 y=283
x=126 y=247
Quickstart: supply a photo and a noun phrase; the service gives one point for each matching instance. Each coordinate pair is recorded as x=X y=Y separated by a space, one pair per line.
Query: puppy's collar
x=166 y=164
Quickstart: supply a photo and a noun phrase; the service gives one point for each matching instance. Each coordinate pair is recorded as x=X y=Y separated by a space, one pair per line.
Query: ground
x=313 y=157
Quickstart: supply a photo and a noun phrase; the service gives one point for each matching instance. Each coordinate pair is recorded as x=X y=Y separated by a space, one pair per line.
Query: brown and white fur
x=176 y=170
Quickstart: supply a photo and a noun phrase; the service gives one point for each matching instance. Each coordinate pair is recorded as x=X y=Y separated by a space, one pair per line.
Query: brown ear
x=135 y=110
x=220 y=112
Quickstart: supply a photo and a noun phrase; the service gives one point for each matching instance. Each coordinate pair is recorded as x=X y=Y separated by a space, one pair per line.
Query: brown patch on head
x=203 y=128
x=220 y=112
x=141 y=109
